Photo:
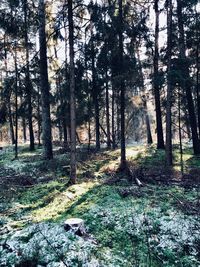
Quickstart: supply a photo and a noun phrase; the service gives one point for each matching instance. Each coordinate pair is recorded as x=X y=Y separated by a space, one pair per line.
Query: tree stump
x=75 y=225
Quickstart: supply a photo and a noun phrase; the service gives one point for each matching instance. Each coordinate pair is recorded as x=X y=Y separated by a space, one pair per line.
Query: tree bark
x=95 y=99
x=169 y=87
x=186 y=81
x=24 y=128
x=179 y=130
x=39 y=117
x=72 y=94
x=12 y=134
x=46 y=120
x=123 y=163
x=28 y=82
x=159 y=127
x=197 y=71
x=16 y=101
x=113 y=115
x=107 y=112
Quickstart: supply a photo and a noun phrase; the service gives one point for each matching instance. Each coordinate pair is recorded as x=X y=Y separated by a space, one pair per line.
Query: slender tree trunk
x=12 y=135
x=144 y=98
x=39 y=117
x=89 y=98
x=107 y=112
x=28 y=80
x=65 y=135
x=23 y=121
x=72 y=94
x=179 y=129
x=46 y=119
x=169 y=87
x=113 y=116
x=11 y=122
x=64 y=112
x=16 y=102
x=186 y=82
x=118 y=123
x=89 y=134
x=96 y=100
x=64 y=101
x=123 y=164
x=159 y=127
x=148 y=125
x=197 y=72
x=24 y=128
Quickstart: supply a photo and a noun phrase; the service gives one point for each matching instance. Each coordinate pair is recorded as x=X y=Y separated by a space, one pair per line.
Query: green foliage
x=146 y=229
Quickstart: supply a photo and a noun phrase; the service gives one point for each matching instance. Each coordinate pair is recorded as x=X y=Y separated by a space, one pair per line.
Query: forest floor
x=155 y=225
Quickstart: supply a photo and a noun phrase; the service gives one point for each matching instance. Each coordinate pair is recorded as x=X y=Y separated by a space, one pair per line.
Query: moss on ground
x=133 y=229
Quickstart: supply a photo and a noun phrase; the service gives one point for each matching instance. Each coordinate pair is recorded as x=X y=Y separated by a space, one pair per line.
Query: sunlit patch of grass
x=61 y=201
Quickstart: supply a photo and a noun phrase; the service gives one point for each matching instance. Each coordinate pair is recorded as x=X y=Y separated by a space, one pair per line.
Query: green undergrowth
x=151 y=226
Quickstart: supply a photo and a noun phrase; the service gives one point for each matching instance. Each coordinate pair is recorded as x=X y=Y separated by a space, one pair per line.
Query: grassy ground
x=155 y=225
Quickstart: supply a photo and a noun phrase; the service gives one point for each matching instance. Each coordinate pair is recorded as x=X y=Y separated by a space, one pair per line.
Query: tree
x=72 y=95
x=160 y=139
x=169 y=86
x=123 y=163
x=186 y=81
x=46 y=120
x=28 y=83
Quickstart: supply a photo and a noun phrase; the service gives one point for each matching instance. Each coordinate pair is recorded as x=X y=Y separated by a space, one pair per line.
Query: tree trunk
x=39 y=117
x=179 y=129
x=64 y=101
x=28 y=81
x=24 y=128
x=107 y=112
x=12 y=135
x=144 y=98
x=186 y=82
x=197 y=72
x=46 y=120
x=16 y=101
x=159 y=127
x=23 y=121
x=169 y=87
x=63 y=120
x=123 y=164
x=72 y=94
x=113 y=116
x=96 y=100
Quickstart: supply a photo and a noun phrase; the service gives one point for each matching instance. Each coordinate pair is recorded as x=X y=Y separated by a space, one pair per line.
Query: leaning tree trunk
x=186 y=81
x=46 y=120
x=28 y=83
x=169 y=87
x=72 y=94
x=159 y=127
